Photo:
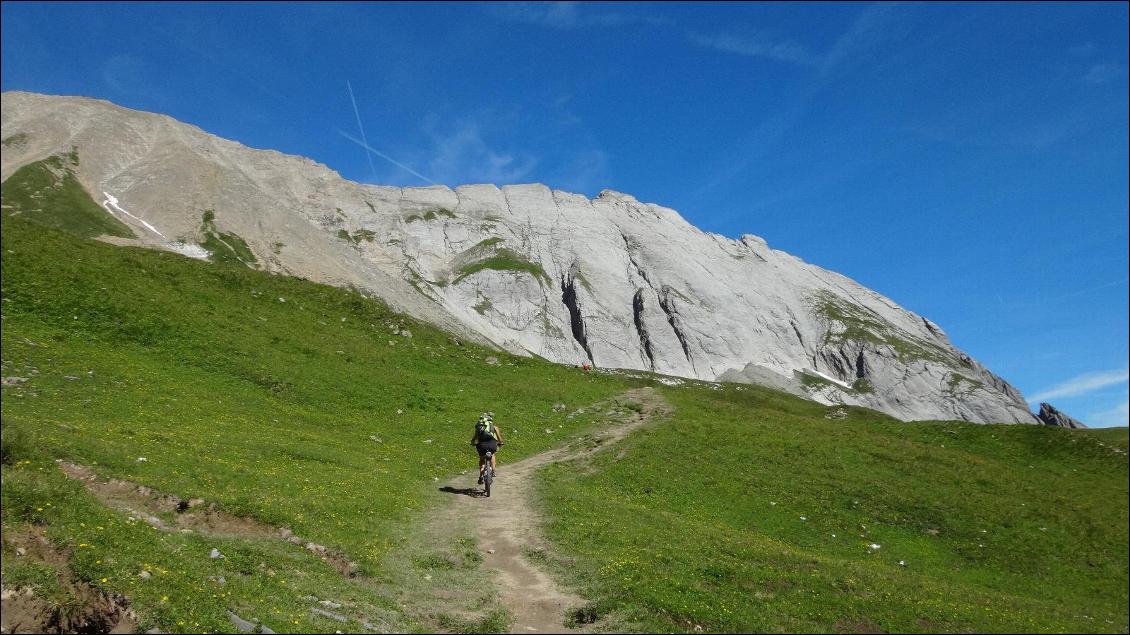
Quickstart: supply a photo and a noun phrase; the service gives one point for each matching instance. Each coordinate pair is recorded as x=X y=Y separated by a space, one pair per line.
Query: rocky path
x=509 y=522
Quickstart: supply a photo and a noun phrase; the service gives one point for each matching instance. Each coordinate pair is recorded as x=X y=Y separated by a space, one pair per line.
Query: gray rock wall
x=535 y=271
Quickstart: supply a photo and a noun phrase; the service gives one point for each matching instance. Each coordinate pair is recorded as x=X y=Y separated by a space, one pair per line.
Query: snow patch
x=111 y=201
x=188 y=249
x=831 y=379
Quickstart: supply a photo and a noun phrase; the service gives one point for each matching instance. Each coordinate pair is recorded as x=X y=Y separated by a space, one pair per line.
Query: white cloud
x=757 y=45
x=1082 y=385
x=1116 y=416
x=462 y=155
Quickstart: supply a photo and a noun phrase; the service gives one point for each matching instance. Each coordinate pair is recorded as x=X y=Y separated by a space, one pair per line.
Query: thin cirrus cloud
x=758 y=45
x=569 y=15
x=1116 y=416
x=1082 y=385
x=1103 y=73
x=462 y=154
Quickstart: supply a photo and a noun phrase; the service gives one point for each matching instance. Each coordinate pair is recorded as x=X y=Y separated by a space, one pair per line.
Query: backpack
x=485 y=430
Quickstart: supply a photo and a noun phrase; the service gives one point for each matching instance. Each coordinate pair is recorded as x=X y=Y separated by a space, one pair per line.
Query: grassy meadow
x=319 y=411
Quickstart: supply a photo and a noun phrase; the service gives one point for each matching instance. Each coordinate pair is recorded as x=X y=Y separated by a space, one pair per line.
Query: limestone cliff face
x=535 y=271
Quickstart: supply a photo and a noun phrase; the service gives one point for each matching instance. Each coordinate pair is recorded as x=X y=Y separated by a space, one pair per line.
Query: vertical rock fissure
x=667 y=303
x=641 y=328
x=576 y=321
x=799 y=337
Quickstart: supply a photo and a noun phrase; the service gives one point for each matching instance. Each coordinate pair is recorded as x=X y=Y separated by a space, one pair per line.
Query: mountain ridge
x=531 y=270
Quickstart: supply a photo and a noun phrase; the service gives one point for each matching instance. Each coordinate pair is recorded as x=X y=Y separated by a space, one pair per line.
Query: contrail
x=357 y=114
x=386 y=157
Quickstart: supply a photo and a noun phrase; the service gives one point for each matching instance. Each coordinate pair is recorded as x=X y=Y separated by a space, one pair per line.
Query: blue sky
x=967 y=160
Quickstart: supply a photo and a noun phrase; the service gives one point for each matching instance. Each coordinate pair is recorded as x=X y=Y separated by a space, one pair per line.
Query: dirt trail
x=509 y=521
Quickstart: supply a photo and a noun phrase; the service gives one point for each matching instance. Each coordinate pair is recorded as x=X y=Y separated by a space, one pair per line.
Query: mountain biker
x=487 y=438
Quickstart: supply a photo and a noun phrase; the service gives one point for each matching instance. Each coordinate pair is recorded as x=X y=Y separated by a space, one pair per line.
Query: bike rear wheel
x=488 y=477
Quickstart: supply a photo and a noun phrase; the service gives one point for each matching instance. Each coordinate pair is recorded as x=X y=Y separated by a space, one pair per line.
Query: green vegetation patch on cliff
x=504 y=260
x=224 y=247
x=861 y=325
x=429 y=215
x=17 y=140
x=48 y=193
x=358 y=236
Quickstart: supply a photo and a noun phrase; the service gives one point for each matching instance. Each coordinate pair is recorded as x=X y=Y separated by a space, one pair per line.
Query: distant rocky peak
x=1052 y=417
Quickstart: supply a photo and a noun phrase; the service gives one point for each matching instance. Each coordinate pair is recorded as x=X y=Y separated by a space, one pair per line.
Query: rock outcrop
x=610 y=280
x=1052 y=417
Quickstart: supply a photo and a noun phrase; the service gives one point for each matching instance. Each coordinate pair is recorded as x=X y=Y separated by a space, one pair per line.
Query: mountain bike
x=488 y=474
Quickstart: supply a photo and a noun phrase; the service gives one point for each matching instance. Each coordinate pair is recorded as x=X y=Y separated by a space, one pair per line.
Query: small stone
x=20 y=551
x=216 y=555
x=490 y=550
x=375 y=439
x=406 y=333
x=333 y=616
x=492 y=360
x=330 y=605
x=145 y=575
x=559 y=407
x=241 y=624
x=141 y=459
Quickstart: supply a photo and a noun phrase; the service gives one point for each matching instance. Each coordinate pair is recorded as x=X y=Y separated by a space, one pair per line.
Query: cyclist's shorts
x=487 y=446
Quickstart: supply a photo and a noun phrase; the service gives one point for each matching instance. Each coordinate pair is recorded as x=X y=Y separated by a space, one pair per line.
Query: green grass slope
x=297 y=404
x=46 y=192
x=315 y=409
x=753 y=512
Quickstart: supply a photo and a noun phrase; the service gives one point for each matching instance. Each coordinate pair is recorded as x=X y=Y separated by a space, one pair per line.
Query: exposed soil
x=76 y=607
x=196 y=515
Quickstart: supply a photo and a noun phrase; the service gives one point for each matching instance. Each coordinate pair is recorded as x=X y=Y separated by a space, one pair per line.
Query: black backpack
x=485 y=431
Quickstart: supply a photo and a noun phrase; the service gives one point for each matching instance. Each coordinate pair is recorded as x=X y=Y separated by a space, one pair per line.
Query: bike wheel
x=488 y=476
